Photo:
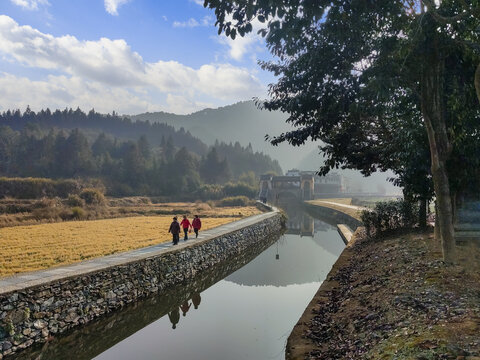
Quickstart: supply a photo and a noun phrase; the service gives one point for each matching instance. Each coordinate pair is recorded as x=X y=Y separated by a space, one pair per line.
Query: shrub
x=51 y=213
x=209 y=192
x=78 y=213
x=92 y=196
x=388 y=216
x=75 y=200
x=45 y=203
x=234 y=201
x=240 y=189
x=35 y=188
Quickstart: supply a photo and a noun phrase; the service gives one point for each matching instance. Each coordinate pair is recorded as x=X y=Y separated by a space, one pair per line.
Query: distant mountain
x=245 y=123
x=242 y=122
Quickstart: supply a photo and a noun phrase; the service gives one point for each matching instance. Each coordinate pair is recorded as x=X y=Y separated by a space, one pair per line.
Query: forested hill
x=131 y=158
x=242 y=122
x=93 y=122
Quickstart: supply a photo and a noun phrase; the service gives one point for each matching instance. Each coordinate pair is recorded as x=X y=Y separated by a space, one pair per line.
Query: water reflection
x=89 y=341
x=247 y=315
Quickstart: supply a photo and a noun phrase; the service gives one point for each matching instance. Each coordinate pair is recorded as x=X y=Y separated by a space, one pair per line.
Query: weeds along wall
x=31 y=315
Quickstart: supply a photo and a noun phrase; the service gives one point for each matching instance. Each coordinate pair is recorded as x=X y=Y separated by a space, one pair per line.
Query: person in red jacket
x=185 y=224
x=196 y=224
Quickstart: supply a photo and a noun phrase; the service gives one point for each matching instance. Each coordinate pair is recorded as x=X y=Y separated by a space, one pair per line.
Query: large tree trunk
x=432 y=103
x=436 y=233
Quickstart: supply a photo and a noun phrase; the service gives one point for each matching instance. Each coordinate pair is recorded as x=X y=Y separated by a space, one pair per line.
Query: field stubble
x=36 y=247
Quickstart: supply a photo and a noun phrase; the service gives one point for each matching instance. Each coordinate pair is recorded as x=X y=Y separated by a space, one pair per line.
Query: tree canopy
x=383 y=84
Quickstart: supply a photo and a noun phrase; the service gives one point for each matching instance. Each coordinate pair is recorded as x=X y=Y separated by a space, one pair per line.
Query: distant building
x=304 y=185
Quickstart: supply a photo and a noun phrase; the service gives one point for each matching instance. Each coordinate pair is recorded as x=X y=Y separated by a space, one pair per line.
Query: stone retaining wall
x=33 y=314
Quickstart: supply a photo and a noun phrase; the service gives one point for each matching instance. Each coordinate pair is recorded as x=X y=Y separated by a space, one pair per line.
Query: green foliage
x=92 y=196
x=209 y=192
x=240 y=189
x=235 y=201
x=368 y=78
x=148 y=159
x=388 y=216
x=215 y=170
x=78 y=213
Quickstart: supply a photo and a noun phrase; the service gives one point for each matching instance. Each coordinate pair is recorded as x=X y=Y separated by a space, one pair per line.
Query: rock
x=45 y=332
x=6 y=345
x=71 y=317
x=48 y=303
x=39 y=315
x=26 y=331
x=111 y=295
x=16 y=316
x=40 y=324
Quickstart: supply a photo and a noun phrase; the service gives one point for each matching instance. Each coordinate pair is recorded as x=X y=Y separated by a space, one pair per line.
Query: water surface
x=242 y=310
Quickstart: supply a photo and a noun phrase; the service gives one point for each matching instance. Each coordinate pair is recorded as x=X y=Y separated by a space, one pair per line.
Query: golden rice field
x=35 y=247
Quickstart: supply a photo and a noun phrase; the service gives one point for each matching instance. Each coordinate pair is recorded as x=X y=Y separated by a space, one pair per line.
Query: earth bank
x=394 y=298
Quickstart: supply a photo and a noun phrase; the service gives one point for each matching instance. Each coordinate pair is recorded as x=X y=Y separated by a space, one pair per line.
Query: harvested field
x=35 y=247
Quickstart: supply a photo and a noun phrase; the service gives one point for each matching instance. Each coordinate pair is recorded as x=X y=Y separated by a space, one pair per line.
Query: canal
x=241 y=310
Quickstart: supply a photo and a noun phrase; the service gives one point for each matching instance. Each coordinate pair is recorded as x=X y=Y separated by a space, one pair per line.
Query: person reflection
x=196 y=300
x=174 y=317
x=185 y=307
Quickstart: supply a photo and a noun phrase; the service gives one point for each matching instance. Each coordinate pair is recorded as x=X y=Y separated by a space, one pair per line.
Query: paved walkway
x=25 y=280
x=353 y=207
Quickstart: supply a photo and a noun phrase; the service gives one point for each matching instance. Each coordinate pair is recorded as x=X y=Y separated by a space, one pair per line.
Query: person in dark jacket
x=175 y=230
x=174 y=317
x=196 y=298
x=185 y=225
x=197 y=225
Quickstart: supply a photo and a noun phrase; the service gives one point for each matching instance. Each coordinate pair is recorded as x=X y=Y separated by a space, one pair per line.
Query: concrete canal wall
x=35 y=306
x=332 y=216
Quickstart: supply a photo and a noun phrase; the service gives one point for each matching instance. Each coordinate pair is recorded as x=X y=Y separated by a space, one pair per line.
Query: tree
x=213 y=170
x=342 y=64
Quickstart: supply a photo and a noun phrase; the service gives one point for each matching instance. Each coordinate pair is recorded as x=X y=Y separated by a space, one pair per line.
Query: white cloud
x=112 y=5
x=198 y=2
x=191 y=23
x=92 y=68
x=30 y=4
x=248 y=44
x=59 y=92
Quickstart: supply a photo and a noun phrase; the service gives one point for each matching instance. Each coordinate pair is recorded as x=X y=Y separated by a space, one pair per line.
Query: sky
x=127 y=56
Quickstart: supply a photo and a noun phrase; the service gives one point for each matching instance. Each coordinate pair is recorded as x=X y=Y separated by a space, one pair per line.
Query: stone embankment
x=32 y=311
x=335 y=213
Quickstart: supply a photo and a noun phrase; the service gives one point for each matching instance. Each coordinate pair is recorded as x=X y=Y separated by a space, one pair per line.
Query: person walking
x=185 y=307
x=174 y=317
x=175 y=230
x=197 y=225
x=196 y=298
x=185 y=225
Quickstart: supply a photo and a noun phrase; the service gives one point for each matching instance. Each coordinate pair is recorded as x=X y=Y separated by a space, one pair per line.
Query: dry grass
x=29 y=248
x=14 y=212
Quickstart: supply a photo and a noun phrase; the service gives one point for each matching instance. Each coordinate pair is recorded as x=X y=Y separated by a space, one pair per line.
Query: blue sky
x=130 y=56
